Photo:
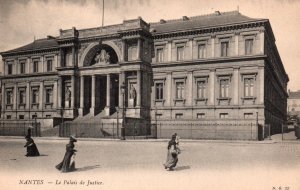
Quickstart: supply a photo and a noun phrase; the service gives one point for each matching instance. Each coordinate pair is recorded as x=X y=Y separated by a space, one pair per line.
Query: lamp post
x=117 y=109
x=35 y=124
x=123 y=112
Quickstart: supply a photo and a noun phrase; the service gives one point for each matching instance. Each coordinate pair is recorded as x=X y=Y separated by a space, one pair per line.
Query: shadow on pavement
x=86 y=168
x=179 y=168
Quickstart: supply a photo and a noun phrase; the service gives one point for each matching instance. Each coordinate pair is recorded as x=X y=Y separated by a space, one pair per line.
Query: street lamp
x=123 y=112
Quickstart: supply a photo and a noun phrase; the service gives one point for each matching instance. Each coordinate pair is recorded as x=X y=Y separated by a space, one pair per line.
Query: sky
x=23 y=20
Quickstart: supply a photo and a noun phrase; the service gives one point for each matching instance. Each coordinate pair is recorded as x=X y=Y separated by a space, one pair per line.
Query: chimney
x=162 y=21
x=217 y=13
x=185 y=18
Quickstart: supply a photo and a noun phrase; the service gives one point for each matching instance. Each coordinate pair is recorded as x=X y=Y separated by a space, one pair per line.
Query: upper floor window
x=159 y=91
x=22 y=96
x=249 y=46
x=224 y=49
x=248 y=87
x=49 y=65
x=201 y=89
x=224 y=88
x=180 y=90
x=180 y=53
x=22 y=67
x=201 y=51
x=200 y=115
x=9 y=69
x=35 y=96
x=35 y=66
x=248 y=115
x=48 y=95
x=9 y=96
x=178 y=115
x=159 y=55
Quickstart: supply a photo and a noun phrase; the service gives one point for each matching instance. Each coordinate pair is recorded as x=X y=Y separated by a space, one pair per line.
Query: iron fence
x=20 y=128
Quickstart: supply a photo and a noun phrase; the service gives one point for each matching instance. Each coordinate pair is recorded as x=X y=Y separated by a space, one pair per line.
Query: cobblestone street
x=115 y=164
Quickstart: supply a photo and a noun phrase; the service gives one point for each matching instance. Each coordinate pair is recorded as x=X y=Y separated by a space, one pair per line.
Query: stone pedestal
x=107 y=111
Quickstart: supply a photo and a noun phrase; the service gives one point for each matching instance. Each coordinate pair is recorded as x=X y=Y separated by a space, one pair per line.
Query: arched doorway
x=101 y=91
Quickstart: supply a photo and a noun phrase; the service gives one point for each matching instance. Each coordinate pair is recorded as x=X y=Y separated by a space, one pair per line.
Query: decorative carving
x=103 y=57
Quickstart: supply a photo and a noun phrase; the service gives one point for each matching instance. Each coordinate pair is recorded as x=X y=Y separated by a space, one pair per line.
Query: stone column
x=42 y=65
x=107 y=108
x=3 y=98
x=169 y=89
x=28 y=96
x=123 y=50
x=15 y=97
x=139 y=86
x=261 y=73
x=212 y=86
x=191 y=48
x=59 y=92
x=236 y=41
x=170 y=51
x=236 y=86
x=92 y=109
x=28 y=65
x=54 y=92
x=189 y=90
x=73 y=56
x=139 y=48
x=262 y=41
x=62 y=59
x=72 y=91
x=41 y=93
x=81 y=106
x=213 y=46
x=121 y=81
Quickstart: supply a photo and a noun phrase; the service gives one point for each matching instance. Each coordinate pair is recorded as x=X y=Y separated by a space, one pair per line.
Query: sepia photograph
x=149 y=94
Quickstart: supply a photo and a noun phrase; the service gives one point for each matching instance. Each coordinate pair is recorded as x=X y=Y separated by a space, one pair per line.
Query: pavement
x=137 y=164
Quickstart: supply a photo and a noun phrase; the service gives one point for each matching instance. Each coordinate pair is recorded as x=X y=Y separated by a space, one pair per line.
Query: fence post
x=282 y=131
x=191 y=130
x=113 y=130
x=134 y=130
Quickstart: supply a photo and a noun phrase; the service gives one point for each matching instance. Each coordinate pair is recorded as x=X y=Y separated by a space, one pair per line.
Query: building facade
x=222 y=67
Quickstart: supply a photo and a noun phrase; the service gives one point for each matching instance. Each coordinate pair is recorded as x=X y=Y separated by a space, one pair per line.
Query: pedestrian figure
x=31 y=147
x=172 y=155
x=66 y=165
x=177 y=142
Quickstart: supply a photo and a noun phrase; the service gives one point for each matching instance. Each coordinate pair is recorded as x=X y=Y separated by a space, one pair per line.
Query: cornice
x=29 y=52
x=210 y=29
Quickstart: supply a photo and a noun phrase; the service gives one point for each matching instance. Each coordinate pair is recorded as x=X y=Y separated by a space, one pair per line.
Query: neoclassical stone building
x=218 y=67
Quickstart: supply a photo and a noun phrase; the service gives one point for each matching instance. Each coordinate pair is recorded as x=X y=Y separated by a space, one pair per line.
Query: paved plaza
x=138 y=164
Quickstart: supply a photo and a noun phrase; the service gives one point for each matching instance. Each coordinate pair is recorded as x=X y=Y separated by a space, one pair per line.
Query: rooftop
x=164 y=26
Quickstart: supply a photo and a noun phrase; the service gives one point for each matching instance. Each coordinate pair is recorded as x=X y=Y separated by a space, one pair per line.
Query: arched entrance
x=100 y=92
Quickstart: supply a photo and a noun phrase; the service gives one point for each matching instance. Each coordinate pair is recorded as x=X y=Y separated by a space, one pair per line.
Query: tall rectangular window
x=9 y=96
x=22 y=67
x=35 y=96
x=180 y=53
x=22 y=97
x=201 y=51
x=49 y=65
x=9 y=69
x=224 y=88
x=224 y=49
x=48 y=96
x=159 y=91
x=201 y=89
x=248 y=87
x=249 y=46
x=180 y=90
x=159 y=55
x=35 y=66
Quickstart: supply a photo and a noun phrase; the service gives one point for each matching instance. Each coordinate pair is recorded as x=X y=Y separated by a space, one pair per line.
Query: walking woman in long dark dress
x=66 y=165
x=172 y=156
x=31 y=147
